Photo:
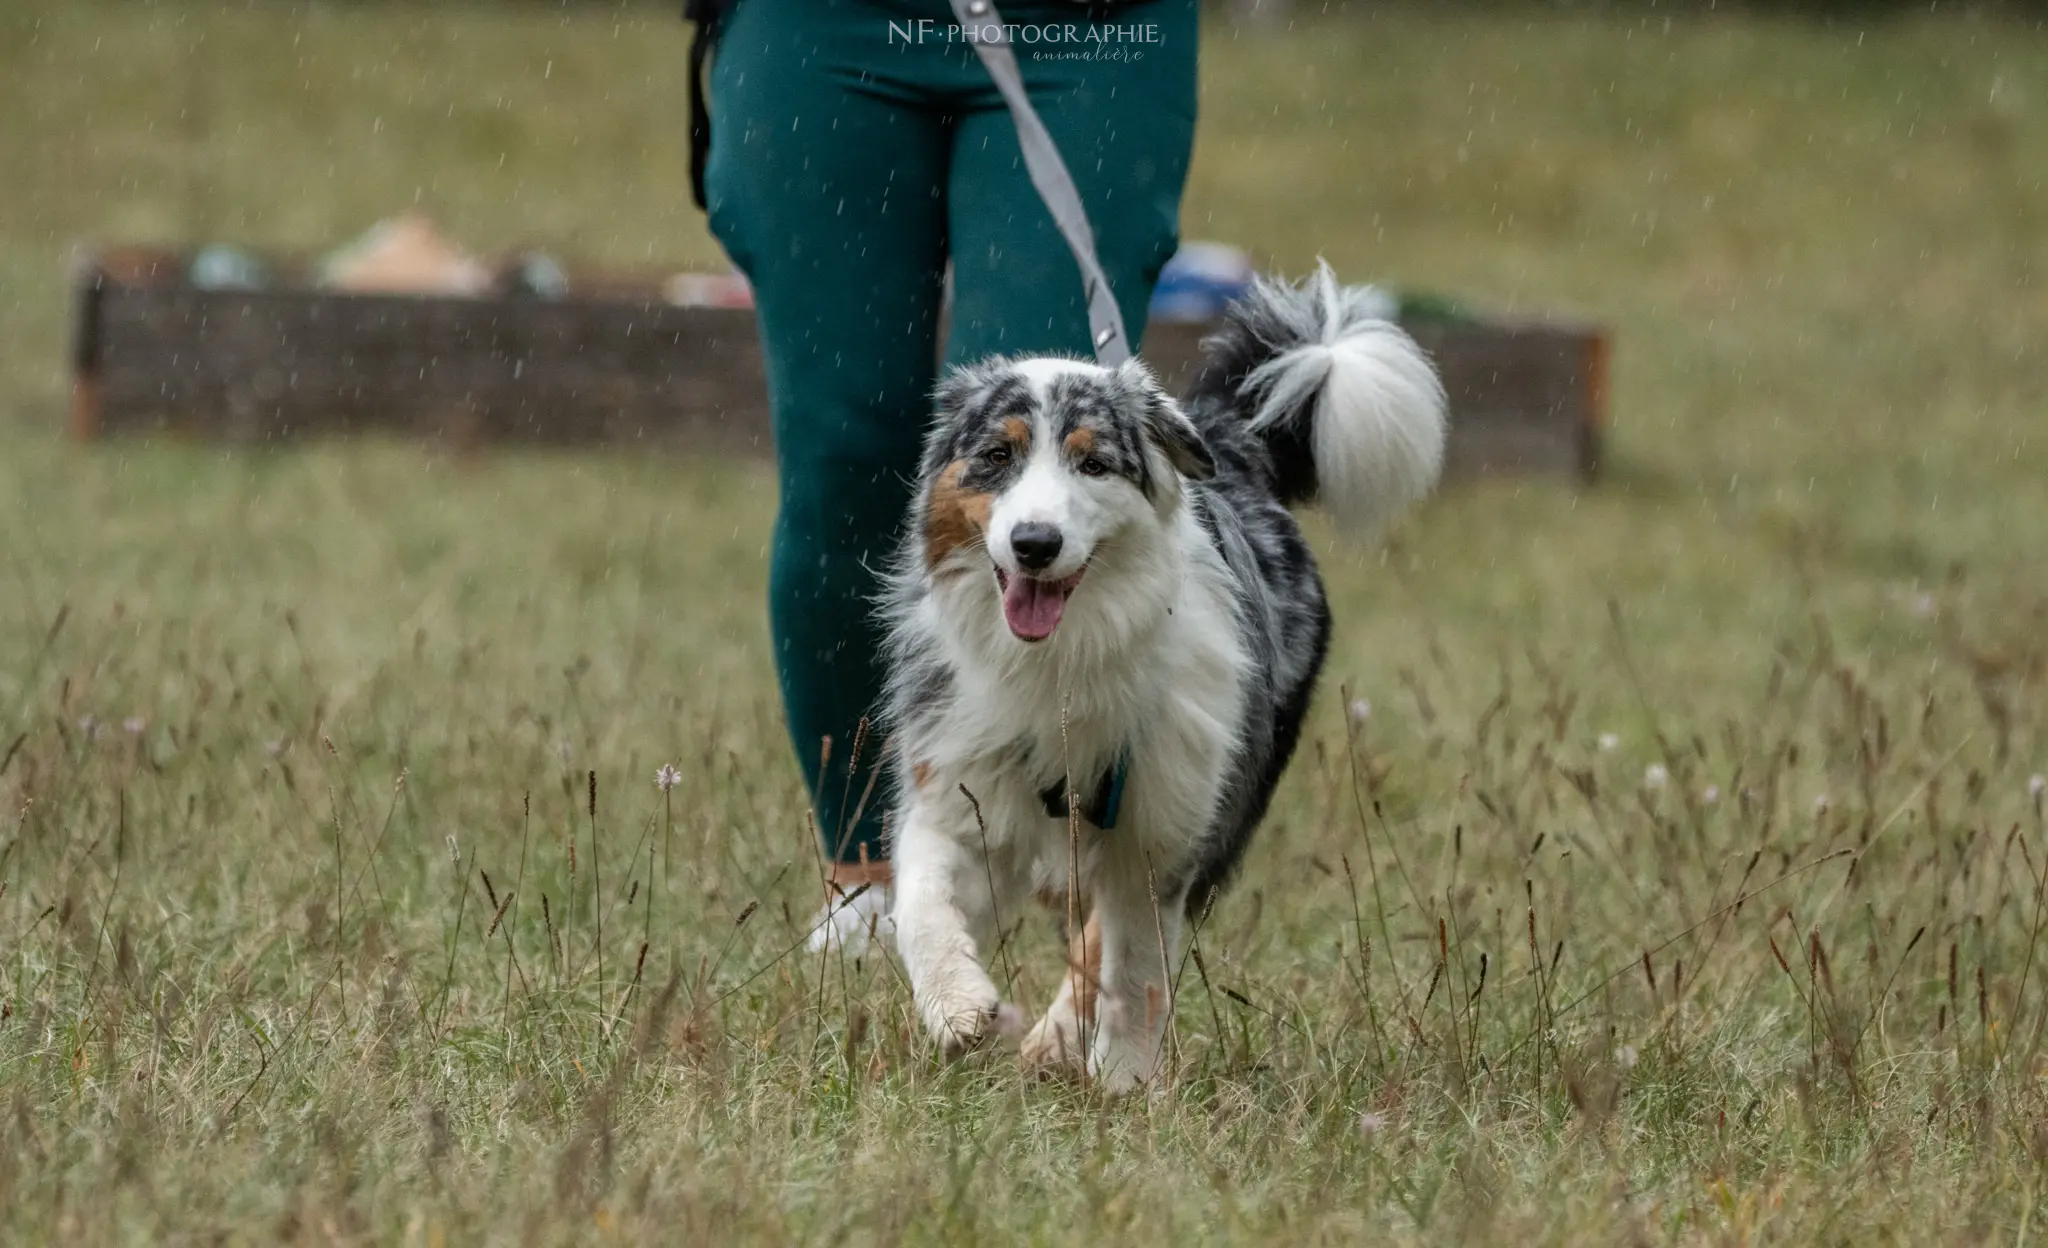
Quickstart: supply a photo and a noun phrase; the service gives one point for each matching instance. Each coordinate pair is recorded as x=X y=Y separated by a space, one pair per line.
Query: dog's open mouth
x=1033 y=607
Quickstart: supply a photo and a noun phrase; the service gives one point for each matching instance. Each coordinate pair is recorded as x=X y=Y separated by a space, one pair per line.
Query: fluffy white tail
x=1342 y=381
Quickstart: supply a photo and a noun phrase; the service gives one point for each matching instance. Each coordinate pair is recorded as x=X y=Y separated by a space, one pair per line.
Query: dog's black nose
x=1037 y=545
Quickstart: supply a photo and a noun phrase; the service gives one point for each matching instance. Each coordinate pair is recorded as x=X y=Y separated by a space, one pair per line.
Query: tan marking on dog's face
x=954 y=516
x=1080 y=443
x=920 y=775
x=1017 y=432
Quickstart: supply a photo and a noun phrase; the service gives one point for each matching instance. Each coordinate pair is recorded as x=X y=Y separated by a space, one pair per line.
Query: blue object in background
x=220 y=267
x=536 y=273
x=1199 y=281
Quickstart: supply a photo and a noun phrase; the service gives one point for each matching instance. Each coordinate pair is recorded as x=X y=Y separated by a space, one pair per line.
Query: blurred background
x=1814 y=230
x=1804 y=604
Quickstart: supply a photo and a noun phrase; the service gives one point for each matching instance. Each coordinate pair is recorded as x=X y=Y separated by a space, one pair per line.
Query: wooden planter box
x=616 y=363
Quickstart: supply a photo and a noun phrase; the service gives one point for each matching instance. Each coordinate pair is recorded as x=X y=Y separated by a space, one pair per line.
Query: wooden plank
x=273 y=364
x=1521 y=399
x=251 y=366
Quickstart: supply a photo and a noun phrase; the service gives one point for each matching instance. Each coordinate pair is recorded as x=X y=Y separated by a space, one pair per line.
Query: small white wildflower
x=454 y=853
x=1923 y=605
x=562 y=749
x=1361 y=710
x=1609 y=742
x=1626 y=1057
x=1710 y=795
x=89 y=725
x=1371 y=1124
x=2036 y=786
x=273 y=747
x=133 y=725
x=668 y=777
x=1821 y=805
x=1655 y=776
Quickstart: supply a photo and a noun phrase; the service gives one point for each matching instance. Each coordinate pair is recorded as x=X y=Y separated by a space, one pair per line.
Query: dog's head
x=1035 y=466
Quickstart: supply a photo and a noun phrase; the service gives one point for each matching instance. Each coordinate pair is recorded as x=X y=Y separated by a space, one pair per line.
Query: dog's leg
x=1059 y=1041
x=942 y=905
x=1135 y=1000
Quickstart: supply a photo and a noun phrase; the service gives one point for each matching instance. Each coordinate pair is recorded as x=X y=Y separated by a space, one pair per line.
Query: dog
x=1105 y=627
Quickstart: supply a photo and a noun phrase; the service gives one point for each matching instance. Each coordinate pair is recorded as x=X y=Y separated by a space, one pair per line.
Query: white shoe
x=849 y=923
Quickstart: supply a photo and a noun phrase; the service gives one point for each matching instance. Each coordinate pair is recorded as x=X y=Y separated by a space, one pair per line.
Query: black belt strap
x=705 y=14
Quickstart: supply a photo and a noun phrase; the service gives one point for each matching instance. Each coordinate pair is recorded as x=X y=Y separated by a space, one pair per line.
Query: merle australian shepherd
x=1106 y=627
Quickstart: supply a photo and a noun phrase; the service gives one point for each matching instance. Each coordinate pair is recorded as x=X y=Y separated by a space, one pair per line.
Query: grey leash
x=984 y=27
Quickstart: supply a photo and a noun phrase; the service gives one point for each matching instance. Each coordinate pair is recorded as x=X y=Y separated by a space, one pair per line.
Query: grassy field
x=1683 y=882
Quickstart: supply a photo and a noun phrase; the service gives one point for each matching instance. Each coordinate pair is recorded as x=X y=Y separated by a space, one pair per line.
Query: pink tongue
x=1033 y=607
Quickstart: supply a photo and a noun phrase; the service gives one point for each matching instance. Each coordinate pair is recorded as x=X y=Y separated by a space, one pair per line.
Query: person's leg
x=824 y=185
x=1125 y=128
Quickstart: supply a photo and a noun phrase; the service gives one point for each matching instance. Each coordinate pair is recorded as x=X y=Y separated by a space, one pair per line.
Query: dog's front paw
x=1121 y=1069
x=1127 y=1052
x=959 y=1029
x=960 y=1022
x=1055 y=1046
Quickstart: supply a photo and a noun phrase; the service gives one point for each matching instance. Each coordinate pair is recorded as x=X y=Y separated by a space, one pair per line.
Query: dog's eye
x=1093 y=467
x=996 y=457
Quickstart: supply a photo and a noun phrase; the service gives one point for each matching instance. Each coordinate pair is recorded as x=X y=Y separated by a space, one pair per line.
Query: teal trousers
x=857 y=148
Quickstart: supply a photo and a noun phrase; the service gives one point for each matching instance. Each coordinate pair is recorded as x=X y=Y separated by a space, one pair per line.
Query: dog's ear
x=1167 y=427
x=1174 y=433
x=959 y=388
